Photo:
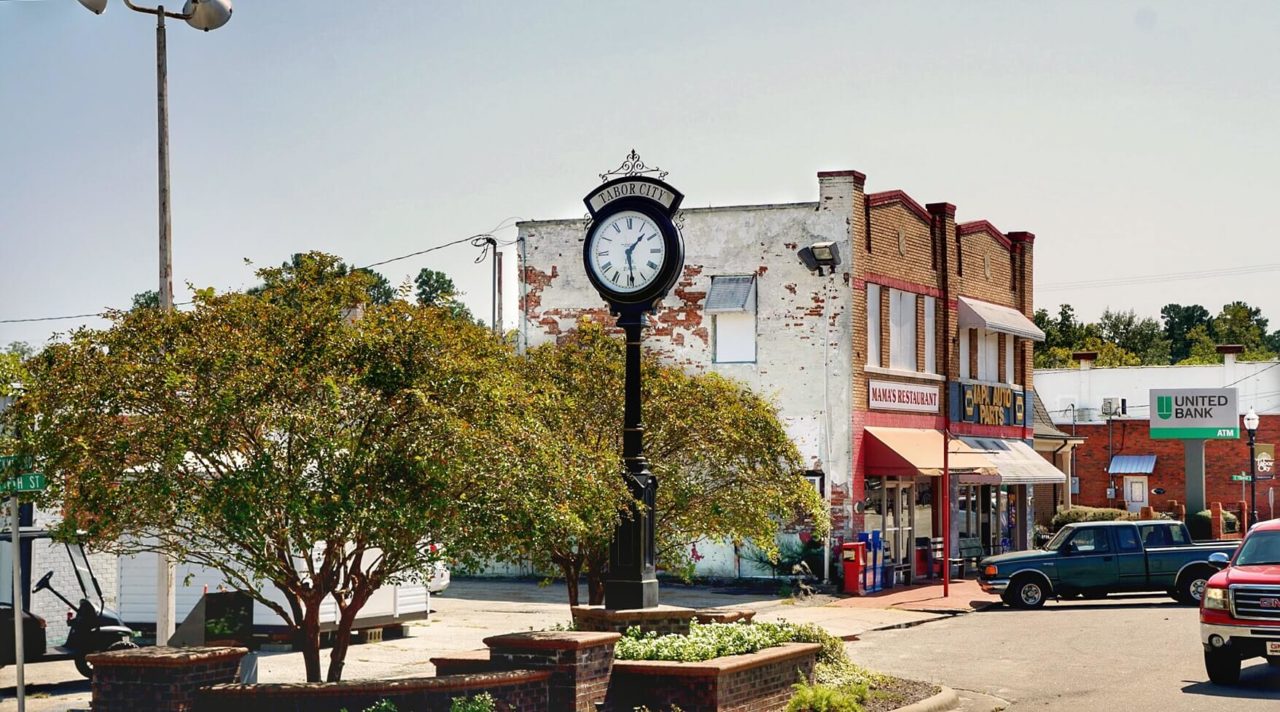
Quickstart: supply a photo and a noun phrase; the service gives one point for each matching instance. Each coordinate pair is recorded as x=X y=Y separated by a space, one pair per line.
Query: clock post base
x=624 y=594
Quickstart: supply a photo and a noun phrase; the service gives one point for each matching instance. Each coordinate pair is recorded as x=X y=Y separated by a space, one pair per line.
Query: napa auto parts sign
x=904 y=396
x=1195 y=414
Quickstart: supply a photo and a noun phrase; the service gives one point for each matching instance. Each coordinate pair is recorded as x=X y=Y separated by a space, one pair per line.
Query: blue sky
x=1132 y=138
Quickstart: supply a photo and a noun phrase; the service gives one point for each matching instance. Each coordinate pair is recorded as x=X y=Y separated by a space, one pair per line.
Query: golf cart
x=93 y=627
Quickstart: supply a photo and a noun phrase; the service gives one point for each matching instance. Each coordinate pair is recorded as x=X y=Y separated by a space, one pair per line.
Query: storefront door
x=899 y=527
x=1135 y=493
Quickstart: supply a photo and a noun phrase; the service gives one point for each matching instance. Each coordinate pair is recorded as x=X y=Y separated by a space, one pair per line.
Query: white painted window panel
x=930 y=336
x=902 y=330
x=735 y=337
x=988 y=355
x=964 y=353
x=873 y=324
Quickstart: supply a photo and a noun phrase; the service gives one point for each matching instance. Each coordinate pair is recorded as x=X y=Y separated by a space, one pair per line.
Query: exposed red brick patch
x=536 y=281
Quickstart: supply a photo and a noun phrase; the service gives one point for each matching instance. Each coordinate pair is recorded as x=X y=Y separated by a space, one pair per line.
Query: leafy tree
x=1141 y=337
x=1178 y=322
x=21 y=349
x=1201 y=348
x=150 y=299
x=726 y=467
x=277 y=439
x=435 y=288
x=1239 y=323
x=1110 y=355
x=376 y=288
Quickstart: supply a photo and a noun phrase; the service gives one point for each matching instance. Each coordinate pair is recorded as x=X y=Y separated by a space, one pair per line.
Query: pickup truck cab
x=1093 y=559
x=1240 y=614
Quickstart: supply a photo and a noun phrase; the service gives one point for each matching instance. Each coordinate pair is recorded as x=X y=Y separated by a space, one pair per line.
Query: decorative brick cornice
x=1022 y=236
x=857 y=176
x=889 y=197
x=885 y=280
x=977 y=226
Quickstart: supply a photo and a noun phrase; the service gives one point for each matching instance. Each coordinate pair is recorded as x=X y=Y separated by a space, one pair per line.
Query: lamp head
x=95 y=6
x=206 y=14
x=1251 y=420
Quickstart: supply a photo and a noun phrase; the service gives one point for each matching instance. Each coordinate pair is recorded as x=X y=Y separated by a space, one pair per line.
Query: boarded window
x=873 y=325
x=732 y=304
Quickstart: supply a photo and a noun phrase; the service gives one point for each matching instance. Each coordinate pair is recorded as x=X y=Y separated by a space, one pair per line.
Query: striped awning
x=1132 y=465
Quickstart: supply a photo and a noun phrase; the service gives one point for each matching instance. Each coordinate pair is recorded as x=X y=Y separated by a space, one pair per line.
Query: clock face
x=627 y=251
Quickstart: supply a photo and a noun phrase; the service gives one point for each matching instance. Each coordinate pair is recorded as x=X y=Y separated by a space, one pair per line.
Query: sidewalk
x=964 y=597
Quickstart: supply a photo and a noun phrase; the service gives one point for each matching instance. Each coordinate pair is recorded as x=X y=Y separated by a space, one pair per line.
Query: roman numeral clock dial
x=627 y=251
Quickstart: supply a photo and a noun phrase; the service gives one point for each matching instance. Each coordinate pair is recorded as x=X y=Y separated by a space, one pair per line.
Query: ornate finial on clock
x=632 y=166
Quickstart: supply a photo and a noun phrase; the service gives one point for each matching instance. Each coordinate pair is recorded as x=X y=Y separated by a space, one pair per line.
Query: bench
x=970 y=553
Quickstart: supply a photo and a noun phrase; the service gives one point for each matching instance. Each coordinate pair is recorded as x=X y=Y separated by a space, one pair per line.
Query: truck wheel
x=1191 y=585
x=1028 y=592
x=1223 y=667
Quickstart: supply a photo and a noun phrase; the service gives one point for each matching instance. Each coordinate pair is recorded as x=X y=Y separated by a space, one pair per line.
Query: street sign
x=1265 y=461
x=1242 y=477
x=29 y=482
x=19 y=462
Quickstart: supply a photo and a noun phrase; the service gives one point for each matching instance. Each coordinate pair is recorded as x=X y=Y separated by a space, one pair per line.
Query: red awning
x=915 y=451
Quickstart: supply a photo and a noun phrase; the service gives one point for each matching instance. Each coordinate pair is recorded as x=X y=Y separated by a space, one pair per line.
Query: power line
x=1156 y=278
x=483 y=237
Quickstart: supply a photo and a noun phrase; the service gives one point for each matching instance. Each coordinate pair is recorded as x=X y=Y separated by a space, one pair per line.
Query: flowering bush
x=704 y=641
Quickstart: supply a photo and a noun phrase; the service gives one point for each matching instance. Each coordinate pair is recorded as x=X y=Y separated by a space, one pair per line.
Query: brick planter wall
x=159 y=679
x=758 y=682
x=579 y=662
x=660 y=619
x=515 y=691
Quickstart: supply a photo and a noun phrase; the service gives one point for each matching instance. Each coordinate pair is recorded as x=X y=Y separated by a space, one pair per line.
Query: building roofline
x=889 y=197
x=976 y=226
x=811 y=205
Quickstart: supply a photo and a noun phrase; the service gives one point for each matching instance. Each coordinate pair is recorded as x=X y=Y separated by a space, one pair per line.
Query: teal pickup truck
x=1092 y=559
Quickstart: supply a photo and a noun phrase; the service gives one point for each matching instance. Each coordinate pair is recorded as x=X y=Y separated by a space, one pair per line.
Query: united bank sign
x=1195 y=414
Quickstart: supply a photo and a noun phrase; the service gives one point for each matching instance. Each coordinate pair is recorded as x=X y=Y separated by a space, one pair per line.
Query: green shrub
x=1200 y=524
x=704 y=641
x=1089 y=514
x=482 y=702
x=821 y=698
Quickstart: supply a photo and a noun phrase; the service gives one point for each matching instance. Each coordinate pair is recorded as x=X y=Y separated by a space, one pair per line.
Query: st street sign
x=1242 y=477
x=30 y=482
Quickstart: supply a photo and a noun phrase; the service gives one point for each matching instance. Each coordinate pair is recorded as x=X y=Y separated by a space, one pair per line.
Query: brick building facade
x=925 y=322
x=1119 y=465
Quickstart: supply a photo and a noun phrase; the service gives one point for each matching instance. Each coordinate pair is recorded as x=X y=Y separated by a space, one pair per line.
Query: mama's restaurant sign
x=912 y=397
x=984 y=404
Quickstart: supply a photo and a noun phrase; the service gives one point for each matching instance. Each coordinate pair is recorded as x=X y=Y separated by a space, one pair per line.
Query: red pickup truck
x=1240 y=610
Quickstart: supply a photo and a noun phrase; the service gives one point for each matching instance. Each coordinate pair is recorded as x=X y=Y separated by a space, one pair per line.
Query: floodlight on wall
x=819 y=255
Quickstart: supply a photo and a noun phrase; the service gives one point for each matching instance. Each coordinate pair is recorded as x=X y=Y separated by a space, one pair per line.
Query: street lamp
x=203 y=15
x=1251 y=426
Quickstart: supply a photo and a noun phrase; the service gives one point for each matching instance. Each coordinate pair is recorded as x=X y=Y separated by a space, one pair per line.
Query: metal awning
x=993 y=317
x=731 y=293
x=1016 y=462
x=916 y=451
x=1132 y=465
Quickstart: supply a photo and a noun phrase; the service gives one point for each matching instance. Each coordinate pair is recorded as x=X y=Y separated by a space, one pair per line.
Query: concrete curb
x=945 y=700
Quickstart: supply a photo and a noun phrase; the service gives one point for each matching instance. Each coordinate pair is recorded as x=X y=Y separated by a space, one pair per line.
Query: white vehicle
x=137 y=599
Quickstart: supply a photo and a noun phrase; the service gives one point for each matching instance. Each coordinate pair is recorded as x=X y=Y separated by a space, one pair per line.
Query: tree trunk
x=342 y=638
x=308 y=640
x=597 y=568
x=570 y=569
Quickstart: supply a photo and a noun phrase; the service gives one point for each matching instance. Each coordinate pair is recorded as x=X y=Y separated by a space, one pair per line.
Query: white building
x=745 y=307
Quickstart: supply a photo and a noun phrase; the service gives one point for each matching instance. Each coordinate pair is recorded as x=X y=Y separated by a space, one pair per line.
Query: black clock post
x=633 y=581
x=645 y=206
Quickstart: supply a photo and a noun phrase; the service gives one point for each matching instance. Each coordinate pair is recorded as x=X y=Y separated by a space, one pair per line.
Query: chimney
x=1229 y=353
x=1086 y=358
x=837 y=188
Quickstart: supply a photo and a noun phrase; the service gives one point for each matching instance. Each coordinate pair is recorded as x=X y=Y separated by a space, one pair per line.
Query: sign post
x=12 y=484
